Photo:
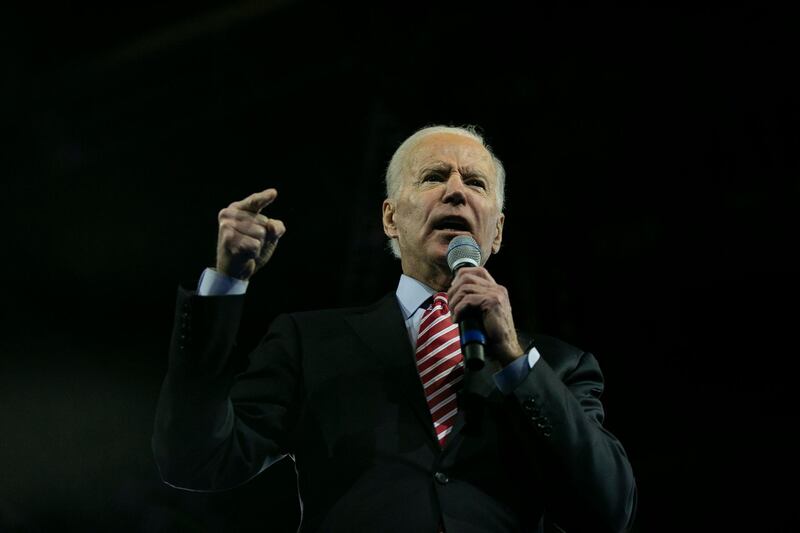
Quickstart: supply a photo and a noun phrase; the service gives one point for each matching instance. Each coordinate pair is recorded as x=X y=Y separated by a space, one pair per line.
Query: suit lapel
x=382 y=329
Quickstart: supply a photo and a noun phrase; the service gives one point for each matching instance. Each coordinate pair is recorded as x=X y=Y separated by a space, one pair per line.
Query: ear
x=498 y=238
x=389 y=227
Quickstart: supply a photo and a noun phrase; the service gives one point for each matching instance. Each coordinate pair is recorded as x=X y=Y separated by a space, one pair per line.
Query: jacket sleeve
x=215 y=429
x=587 y=479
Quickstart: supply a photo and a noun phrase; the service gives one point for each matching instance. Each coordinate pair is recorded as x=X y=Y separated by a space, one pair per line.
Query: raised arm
x=202 y=440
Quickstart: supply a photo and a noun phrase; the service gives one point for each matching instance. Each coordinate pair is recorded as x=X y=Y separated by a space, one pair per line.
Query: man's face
x=448 y=188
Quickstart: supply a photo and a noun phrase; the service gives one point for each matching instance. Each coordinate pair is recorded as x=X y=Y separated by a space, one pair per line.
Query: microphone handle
x=470 y=329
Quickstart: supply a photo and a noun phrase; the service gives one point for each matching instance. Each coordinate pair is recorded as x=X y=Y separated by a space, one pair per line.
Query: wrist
x=239 y=275
x=510 y=353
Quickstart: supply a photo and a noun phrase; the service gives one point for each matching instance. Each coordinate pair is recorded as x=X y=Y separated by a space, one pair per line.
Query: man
x=387 y=433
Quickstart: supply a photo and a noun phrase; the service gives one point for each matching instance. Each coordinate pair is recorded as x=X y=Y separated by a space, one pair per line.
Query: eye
x=476 y=182
x=433 y=176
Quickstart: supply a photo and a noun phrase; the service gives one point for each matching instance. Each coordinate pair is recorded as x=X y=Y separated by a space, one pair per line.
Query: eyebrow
x=467 y=171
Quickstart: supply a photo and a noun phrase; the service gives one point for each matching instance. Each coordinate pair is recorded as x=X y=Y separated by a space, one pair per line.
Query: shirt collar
x=411 y=294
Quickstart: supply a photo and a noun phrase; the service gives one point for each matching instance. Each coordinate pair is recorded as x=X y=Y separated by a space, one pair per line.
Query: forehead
x=450 y=149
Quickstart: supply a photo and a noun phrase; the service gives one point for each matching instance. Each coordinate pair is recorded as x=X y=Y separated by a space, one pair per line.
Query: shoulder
x=329 y=328
x=387 y=304
x=562 y=356
x=552 y=346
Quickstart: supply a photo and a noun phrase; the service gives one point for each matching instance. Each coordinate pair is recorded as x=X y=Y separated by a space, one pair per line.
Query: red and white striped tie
x=440 y=364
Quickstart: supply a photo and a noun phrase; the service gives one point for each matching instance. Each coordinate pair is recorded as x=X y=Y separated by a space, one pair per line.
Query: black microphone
x=464 y=251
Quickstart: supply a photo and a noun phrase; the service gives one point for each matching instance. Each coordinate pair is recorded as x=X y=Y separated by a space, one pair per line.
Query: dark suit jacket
x=339 y=391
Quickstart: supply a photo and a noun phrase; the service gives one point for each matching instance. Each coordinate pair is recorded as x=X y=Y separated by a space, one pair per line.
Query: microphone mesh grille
x=462 y=251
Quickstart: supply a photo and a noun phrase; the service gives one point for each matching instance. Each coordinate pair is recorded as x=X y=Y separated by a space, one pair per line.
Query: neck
x=436 y=277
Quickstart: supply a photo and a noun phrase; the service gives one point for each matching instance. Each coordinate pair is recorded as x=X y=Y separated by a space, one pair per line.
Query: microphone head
x=463 y=251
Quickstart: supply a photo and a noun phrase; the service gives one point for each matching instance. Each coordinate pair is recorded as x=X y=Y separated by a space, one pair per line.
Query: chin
x=437 y=251
x=448 y=235
x=436 y=247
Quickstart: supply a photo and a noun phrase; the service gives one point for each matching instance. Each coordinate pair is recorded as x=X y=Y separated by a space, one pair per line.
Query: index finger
x=480 y=272
x=256 y=201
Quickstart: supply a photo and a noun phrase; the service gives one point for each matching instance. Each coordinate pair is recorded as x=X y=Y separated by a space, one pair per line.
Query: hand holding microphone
x=481 y=307
x=463 y=251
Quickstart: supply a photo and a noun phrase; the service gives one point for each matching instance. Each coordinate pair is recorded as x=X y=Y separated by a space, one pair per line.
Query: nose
x=455 y=190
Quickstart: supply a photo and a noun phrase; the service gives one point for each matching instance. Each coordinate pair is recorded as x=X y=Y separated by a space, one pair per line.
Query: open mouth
x=452 y=223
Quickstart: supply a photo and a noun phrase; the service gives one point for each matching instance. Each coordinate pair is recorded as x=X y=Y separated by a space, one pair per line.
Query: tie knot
x=440 y=298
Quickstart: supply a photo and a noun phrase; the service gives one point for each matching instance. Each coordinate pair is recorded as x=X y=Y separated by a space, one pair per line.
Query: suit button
x=442 y=478
x=529 y=404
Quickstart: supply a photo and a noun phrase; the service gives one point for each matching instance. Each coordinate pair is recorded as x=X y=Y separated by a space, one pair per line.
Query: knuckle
x=241 y=249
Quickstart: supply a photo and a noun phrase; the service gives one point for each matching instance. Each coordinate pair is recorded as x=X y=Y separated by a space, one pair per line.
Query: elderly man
x=388 y=429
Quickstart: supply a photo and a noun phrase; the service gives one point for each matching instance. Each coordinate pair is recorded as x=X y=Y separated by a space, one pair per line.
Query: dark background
x=651 y=219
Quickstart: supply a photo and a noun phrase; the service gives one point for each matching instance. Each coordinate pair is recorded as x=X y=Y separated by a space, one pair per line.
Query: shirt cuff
x=515 y=373
x=213 y=283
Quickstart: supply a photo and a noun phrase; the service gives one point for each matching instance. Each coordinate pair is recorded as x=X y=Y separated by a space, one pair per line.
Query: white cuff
x=515 y=373
x=213 y=283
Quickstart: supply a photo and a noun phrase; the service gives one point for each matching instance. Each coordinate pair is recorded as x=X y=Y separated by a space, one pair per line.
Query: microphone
x=464 y=251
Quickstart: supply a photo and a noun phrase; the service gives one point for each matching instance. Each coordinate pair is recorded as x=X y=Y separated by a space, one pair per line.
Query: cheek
x=413 y=212
x=490 y=229
x=406 y=218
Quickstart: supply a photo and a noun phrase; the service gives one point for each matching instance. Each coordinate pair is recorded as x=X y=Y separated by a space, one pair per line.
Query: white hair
x=397 y=165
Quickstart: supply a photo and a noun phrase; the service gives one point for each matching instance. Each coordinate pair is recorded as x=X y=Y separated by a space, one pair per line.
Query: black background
x=651 y=219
